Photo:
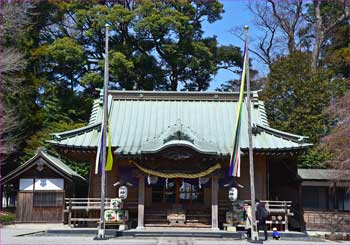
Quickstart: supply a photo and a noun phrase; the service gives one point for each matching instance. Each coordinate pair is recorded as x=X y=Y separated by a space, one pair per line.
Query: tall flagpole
x=101 y=228
x=255 y=235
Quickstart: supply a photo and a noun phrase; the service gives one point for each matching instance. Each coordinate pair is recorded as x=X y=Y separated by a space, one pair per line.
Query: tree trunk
x=291 y=43
x=174 y=80
x=319 y=36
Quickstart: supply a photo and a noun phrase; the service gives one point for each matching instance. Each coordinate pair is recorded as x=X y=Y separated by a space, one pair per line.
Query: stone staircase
x=155 y=217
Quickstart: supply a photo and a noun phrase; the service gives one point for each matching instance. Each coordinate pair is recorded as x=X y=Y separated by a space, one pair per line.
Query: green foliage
x=40 y=138
x=315 y=157
x=7 y=217
x=295 y=97
x=154 y=45
x=81 y=168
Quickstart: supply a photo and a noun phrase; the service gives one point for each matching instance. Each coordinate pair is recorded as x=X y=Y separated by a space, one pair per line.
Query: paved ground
x=13 y=235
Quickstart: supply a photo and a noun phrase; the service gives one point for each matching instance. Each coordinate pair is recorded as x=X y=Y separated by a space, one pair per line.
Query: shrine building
x=173 y=150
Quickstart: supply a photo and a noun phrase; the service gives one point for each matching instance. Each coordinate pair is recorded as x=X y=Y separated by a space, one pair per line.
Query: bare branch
x=288 y=15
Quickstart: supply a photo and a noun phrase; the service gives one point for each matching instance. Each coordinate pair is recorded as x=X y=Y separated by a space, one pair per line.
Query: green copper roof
x=147 y=122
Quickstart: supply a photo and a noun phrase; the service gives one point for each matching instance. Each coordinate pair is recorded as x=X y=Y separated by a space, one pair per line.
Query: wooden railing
x=83 y=210
x=279 y=212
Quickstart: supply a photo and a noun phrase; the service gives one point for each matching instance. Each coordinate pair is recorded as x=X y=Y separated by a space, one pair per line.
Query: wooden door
x=24 y=206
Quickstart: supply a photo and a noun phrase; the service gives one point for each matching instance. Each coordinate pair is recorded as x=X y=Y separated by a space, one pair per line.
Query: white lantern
x=123 y=192
x=233 y=194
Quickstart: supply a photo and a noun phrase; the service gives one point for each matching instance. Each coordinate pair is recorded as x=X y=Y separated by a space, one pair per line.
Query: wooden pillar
x=141 y=204
x=336 y=206
x=301 y=209
x=286 y=211
x=1 y=196
x=177 y=191
x=214 y=203
x=70 y=213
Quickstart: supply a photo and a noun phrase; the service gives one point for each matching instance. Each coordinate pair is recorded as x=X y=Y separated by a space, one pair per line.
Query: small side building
x=326 y=199
x=43 y=183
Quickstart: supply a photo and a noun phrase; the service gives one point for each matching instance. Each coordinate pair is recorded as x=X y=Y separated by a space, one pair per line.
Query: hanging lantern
x=123 y=192
x=199 y=183
x=233 y=194
x=154 y=179
x=166 y=183
x=148 y=179
x=183 y=185
x=204 y=180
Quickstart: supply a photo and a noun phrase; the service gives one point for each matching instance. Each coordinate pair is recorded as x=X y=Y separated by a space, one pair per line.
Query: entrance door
x=189 y=193
x=177 y=191
x=178 y=194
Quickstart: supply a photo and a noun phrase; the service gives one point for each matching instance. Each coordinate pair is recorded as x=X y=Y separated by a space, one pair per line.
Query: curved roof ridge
x=178 y=95
x=65 y=134
x=94 y=111
x=175 y=142
x=283 y=134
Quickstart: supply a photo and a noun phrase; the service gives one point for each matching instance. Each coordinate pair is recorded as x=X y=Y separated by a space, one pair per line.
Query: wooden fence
x=279 y=212
x=327 y=220
x=80 y=211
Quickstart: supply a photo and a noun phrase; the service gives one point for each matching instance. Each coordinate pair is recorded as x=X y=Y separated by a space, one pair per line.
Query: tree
x=154 y=45
x=295 y=97
x=327 y=16
x=298 y=26
x=282 y=26
x=14 y=19
x=338 y=140
x=256 y=83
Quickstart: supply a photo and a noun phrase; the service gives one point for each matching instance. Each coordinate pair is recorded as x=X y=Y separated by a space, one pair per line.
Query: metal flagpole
x=101 y=228
x=255 y=235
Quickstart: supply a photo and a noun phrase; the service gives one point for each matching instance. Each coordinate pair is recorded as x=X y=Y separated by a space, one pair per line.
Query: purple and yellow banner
x=235 y=161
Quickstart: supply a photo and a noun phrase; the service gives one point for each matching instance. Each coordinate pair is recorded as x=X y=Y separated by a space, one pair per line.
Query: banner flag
x=235 y=160
x=109 y=163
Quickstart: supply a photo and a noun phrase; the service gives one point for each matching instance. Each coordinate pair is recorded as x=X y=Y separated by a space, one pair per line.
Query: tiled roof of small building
x=324 y=174
x=49 y=159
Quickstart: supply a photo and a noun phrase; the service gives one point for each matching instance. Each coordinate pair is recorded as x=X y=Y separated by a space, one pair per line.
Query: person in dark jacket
x=261 y=215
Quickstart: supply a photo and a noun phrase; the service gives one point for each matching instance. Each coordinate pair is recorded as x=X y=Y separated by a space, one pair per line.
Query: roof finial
x=41 y=149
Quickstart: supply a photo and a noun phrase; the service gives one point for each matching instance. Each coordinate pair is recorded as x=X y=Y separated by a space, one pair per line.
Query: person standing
x=248 y=221
x=261 y=215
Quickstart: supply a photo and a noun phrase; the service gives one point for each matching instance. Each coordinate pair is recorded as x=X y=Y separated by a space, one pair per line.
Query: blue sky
x=236 y=15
